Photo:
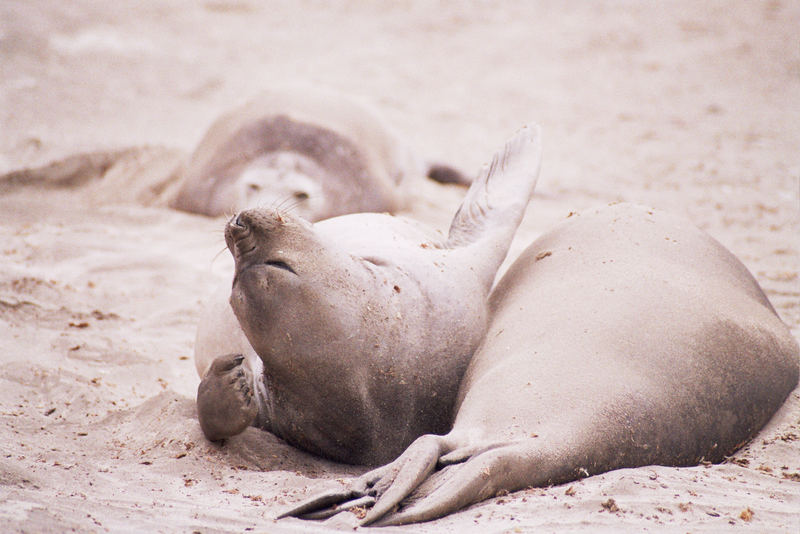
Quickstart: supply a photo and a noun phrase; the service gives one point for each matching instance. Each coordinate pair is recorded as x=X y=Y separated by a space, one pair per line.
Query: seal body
x=363 y=324
x=320 y=153
x=624 y=337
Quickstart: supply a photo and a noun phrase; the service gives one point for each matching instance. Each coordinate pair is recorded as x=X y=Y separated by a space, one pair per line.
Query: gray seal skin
x=321 y=153
x=624 y=337
x=363 y=324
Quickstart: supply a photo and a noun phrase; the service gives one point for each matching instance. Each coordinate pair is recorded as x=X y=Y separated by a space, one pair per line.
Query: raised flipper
x=495 y=203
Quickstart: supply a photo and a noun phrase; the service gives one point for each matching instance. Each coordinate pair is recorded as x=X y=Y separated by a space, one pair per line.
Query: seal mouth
x=277 y=264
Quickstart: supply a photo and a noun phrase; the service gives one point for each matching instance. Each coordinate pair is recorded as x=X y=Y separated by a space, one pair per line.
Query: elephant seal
x=363 y=324
x=624 y=337
x=321 y=153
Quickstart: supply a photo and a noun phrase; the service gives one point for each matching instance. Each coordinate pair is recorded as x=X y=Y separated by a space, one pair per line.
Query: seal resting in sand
x=313 y=151
x=321 y=153
x=624 y=337
x=363 y=324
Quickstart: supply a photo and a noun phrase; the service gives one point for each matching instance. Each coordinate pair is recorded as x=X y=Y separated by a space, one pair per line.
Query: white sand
x=689 y=106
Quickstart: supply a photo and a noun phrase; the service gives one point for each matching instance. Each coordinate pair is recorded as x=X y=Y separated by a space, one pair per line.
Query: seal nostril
x=239 y=223
x=237 y=235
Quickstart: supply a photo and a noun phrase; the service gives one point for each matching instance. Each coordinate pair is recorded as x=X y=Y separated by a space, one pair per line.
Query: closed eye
x=280 y=265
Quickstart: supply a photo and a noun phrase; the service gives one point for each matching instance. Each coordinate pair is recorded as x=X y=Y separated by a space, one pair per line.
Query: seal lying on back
x=322 y=154
x=363 y=324
x=624 y=337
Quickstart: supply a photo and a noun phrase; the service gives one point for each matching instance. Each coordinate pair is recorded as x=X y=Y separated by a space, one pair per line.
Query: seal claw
x=454 y=487
x=382 y=489
x=225 y=404
x=404 y=475
x=329 y=504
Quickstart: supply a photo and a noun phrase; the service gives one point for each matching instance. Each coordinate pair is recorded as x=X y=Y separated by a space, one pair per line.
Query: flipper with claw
x=385 y=486
x=430 y=480
x=455 y=486
x=226 y=402
x=482 y=472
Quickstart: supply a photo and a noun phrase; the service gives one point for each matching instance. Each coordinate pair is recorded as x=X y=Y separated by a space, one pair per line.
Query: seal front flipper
x=225 y=400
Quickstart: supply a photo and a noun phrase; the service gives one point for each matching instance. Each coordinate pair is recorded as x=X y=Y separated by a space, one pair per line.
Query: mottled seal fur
x=624 y=337
x=362 y=324
x=322 y=153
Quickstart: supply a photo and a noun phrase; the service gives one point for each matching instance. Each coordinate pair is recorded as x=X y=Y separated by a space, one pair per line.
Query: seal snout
x=254 y=228
x=239 y=235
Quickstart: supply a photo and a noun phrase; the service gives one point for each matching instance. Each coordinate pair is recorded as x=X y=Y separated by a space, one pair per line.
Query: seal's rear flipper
x=449 y=490
x=500 y=468
x=329 y=504
x=385 y=486
x=445 y=174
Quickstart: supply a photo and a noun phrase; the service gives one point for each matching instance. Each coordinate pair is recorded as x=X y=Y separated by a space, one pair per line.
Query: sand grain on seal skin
x=686 y=106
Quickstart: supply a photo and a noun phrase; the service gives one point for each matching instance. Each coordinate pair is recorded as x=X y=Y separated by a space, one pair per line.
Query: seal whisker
x=218 y=254
x=286 y=206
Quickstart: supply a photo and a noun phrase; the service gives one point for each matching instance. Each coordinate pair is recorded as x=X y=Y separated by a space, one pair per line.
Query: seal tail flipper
x=445 y=174
x=499 y=469
x=330 y=503
x=495 y=202
x=449 y=490
x=409 y=471
x=386 y=486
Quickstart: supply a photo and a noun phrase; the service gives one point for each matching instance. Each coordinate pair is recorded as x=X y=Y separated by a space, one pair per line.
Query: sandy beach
x=691 y=107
